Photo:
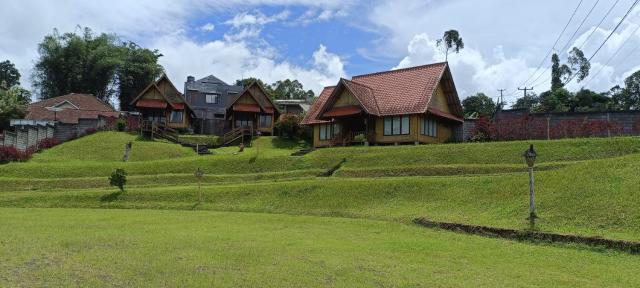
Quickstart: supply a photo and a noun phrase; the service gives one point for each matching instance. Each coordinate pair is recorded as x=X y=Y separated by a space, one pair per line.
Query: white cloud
x=232 y=60
x=315 y=15
x=207 y=27
x=256 y=19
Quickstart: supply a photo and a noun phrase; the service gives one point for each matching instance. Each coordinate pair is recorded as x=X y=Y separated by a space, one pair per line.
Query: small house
x=253 y=109
x=411 y=105
x=161 y=102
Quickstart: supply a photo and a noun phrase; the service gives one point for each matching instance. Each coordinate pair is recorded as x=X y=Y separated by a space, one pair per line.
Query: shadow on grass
x=111 y=197
x=287 y=143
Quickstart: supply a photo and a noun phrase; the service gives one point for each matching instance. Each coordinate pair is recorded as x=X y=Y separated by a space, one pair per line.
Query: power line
x=608 y=37
x=615 y=54
x=598 y=26
x=566 y=45
x=555 y=43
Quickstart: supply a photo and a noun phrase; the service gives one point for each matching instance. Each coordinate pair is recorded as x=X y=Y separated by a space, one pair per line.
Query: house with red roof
x=253 y=109
x=161 y=102
x=411 y=105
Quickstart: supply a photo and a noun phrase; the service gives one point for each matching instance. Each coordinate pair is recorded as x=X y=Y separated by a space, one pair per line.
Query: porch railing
x=350 y=137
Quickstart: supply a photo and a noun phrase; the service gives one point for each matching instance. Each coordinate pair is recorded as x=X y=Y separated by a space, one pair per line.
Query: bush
x=289 y=125
x=90 y=131
x=118 y=178
x=9 y=154
x=121 y=125
x=48 y=143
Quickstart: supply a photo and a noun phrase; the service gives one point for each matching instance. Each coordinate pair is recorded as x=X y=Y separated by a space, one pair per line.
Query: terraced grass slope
x=587 y=187
x=68 y=247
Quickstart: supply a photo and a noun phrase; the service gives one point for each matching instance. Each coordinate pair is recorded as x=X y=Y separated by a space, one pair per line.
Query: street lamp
x=55 y=111
x=530 y=158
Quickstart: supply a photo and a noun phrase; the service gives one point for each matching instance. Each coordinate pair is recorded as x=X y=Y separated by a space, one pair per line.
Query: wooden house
x=412 y=105
x=162 y=103
x=253 y=109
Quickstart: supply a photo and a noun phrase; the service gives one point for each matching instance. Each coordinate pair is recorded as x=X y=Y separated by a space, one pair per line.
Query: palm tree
x=450 y=40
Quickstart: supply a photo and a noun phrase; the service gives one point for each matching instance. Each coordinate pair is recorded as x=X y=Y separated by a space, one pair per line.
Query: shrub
x=90 y=131
x=121 y=125
x=9 y=154
x=118 y=178
x=48 y=143
x=483 y=130
x=289 y=125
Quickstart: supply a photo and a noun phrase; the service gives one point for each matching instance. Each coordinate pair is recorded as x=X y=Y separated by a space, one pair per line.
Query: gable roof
x=175 y=99
x=262 y=101
x=395 y=92
x=86 y=106
x=314 y=111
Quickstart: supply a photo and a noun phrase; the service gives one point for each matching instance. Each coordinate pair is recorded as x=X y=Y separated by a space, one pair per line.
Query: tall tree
x=579 y=64
x=480 y=104
x=288 y=89
x=82 y=63
x=632 y=91
x=9 y=74
x=451 y=40
x=579 y=67
x=559 y=73
x=139 y=67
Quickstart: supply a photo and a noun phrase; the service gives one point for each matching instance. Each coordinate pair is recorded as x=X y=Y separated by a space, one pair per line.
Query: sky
x=317 y=42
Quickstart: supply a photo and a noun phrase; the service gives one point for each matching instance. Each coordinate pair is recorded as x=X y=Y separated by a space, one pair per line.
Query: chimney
x=190 y=79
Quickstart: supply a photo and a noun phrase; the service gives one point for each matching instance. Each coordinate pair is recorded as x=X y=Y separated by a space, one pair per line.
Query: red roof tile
x=85 y=107
x=395 y=92
x=314 y=110
x=342 y=111
x=443 y=114
x=151 y=103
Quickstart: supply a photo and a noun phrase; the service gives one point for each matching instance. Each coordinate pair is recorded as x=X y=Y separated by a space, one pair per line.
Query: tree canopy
x=480 y=104
x=451 y=40
x=9 y=74
x=281 y=89
x=95 y=64
x=13 y=105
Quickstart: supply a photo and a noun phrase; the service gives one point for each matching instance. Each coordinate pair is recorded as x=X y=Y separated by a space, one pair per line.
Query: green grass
x=89 y=248
x=109 y=147
x=365 y=238
x=199 y=139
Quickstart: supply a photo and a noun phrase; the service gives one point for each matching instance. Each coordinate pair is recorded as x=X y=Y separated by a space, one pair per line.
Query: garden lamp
x=530 y=156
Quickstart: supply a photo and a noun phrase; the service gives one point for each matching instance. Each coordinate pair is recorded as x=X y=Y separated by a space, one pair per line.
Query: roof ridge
x=399 y=70
x=373 y=93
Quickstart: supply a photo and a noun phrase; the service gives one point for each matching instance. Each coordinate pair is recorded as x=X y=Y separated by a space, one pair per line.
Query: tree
x=77 y=63
x=631 y=98
x=118 y=178
x=450 y=40
x=586 y=100
x=288 y=89
x=579 y=64
x=247 y=81
x=529 y=102
x=139 y=68
x=9 y=74
x=13 y=105
x=559 y=100
x=479 y=103
x=559 y=73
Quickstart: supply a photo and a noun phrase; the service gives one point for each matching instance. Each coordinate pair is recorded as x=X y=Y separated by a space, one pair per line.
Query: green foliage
x=121 y=125
x=586 y=100
x=118 y=178
x=200 y=139
x=288 y=89
x=560 y=73
x=9 y=74
x=632 y=91
x=579 y=64
x=289 y=125
x=99 y=65
x=450 y=40
x=480 y=104
x=529 y=102
x=13 y=105
x=139 y=68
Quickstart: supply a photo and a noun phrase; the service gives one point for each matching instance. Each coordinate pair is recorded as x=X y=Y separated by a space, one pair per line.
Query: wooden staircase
x=236 y=134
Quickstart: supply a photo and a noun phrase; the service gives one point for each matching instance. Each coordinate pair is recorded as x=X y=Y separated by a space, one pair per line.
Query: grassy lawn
x=68 y=247
x=365 y=238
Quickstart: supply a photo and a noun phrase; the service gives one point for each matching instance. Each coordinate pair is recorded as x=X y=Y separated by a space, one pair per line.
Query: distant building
x=210 y=97
x=292 y=106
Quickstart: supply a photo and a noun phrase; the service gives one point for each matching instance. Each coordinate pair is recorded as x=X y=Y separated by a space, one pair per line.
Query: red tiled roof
x=342 y=111
x=151 y=103
x=443 y=114
x=395 y=92
x=86 y=107
x=314 y=110
x=246 y=108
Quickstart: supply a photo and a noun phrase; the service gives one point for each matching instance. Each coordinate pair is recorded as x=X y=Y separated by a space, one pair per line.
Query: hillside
x=587 y=187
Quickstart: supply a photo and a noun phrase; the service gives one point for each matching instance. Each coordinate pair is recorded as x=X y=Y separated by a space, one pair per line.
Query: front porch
x=348 y=130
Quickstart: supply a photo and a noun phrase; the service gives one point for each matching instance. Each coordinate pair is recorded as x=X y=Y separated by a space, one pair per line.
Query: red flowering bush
x=8 y=154
x=48 y=143
x=90 y=131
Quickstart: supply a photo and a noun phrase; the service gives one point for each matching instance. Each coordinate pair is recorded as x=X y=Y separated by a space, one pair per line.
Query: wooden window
x=429 y=127
x=397 y=125
x=176 y=116
x=244 y=120
x=265 y=121
x=212 y=98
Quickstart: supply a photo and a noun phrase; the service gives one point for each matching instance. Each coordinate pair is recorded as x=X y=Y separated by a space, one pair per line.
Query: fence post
x=548 y=127
x=608 y=126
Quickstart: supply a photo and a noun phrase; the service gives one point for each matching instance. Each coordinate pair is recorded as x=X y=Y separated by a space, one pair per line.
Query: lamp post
x=530 y=158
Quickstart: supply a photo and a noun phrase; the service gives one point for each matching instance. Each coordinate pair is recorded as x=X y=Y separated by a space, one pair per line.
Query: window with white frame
x=396 y=125
x=429 y=127
x=212 y=98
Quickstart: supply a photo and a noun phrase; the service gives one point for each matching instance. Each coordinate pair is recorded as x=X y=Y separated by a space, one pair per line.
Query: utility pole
x=525 y=89
x=501 y=99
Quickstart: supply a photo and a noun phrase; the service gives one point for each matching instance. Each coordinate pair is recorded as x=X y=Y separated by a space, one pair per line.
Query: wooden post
x=127 y=150
x=532 y=200
x=548 y=127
